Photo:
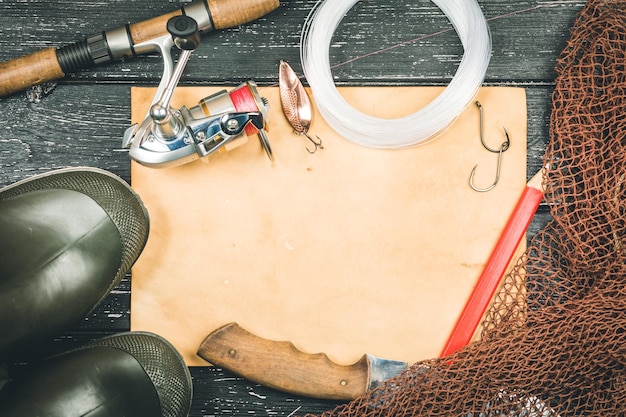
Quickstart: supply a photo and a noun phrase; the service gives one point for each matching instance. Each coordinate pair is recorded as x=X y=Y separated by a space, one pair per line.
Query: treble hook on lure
x=296 y=104
x=505 y=145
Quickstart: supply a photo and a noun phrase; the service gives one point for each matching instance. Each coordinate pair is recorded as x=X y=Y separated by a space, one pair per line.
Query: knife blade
x=282 y=366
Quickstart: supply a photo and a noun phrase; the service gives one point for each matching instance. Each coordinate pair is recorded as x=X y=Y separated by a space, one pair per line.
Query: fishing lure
x=296 y=103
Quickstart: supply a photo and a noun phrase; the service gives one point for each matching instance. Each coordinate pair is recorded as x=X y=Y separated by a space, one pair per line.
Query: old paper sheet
x=346 y=251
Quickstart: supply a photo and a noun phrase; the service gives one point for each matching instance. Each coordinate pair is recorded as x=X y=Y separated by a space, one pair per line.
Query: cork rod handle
x=232 y=13
x=24 y=72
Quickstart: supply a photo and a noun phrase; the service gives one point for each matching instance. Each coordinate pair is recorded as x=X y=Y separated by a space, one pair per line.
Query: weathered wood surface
x=81 y=121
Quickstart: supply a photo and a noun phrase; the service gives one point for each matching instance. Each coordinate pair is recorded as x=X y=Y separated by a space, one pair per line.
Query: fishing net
x=554 y=340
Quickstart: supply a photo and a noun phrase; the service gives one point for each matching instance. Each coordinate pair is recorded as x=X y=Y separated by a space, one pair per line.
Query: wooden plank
x=219 y=393
x=72 y=126
x=525 y=40
x=83 y=125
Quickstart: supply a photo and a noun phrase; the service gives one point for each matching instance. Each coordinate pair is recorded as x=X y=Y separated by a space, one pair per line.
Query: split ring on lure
x=296 y=103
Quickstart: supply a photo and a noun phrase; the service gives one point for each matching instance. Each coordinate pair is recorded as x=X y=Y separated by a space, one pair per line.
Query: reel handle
x=184 y=31
x=51 y=64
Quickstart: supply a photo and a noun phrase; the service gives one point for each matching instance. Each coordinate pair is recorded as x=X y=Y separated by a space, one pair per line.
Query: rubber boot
x=134 y=374
x=67 y=238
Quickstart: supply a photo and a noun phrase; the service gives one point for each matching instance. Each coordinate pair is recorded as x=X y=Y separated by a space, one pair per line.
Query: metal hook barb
x=503 y=148
x=505 y=145
x=317 y=144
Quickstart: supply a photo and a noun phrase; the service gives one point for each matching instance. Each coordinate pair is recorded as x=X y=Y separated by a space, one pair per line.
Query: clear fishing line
x=471 y=27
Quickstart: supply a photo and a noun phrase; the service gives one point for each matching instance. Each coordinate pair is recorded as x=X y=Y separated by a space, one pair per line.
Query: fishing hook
x=482 y=138
x=317 y=144
x=503 y=148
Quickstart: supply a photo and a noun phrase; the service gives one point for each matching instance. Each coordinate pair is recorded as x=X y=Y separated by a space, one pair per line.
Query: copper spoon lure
x=296 y=103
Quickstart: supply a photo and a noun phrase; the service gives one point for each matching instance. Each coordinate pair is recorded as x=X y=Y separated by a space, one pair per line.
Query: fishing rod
x=127 y=41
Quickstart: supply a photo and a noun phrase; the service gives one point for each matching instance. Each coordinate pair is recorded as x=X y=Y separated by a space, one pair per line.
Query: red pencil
x=494 y=270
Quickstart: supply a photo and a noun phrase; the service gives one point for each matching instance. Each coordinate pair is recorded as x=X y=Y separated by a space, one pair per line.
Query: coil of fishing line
x=471 y=27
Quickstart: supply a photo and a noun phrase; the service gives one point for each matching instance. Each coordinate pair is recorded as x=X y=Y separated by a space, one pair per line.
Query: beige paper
x=346 y=251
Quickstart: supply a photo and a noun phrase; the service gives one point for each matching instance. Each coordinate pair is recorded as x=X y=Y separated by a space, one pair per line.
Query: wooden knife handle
x=54 y=63
x=280 y=365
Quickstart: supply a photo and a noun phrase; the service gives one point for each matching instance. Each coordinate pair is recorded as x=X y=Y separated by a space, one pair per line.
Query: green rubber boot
x=134 y=374
x=67 y=238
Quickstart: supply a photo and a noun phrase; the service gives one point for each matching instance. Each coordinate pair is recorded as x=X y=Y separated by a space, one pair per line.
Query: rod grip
x=29 y=70
x=228 y=13
x=151 y=28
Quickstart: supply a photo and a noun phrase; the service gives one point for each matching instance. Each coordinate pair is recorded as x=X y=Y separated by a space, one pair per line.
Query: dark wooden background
x=80 y=122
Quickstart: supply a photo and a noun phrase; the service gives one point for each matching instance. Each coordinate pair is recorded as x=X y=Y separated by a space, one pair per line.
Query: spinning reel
x=220 y=122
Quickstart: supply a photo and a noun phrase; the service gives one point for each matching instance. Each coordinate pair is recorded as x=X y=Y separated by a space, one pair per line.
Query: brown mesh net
x=554 y=341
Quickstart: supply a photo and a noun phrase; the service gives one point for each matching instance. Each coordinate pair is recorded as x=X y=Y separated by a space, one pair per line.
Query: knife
x=280 y=365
